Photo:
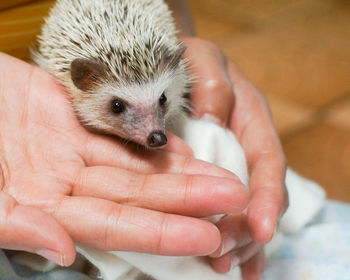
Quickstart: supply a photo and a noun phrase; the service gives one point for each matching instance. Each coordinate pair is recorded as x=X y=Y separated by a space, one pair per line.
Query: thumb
x=212 y=93
x=29 y=229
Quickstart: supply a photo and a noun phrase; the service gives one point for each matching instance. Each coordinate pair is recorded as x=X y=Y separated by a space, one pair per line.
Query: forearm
x=182 y=16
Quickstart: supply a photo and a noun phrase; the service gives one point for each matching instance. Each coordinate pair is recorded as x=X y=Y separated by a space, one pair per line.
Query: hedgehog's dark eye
x=117 y=106
x=162 y=99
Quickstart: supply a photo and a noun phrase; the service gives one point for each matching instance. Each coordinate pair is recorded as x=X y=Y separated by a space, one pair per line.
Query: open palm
x=60 y=183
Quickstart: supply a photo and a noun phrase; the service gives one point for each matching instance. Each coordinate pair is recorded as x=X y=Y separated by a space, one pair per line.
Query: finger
x=192 y=195
x=108 y=226
x=251 y=120
x=235 y=258
x=252 y=269
x=177 y=145
x=212 y=94
x=222 y=264
x=102 y=150
x=234 y=234
x=29 y=229
x=268 y=199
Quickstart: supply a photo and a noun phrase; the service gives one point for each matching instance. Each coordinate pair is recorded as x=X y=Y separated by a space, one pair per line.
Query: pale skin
x=60 y=183
x=51 y=167
x=223 y=95
x=243 y=109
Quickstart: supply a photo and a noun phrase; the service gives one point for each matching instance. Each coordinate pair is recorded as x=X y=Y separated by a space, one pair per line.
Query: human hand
x=59 y=183
x=222 y=94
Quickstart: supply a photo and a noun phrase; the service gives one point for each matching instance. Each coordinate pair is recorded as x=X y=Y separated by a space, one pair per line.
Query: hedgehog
x=121 y=63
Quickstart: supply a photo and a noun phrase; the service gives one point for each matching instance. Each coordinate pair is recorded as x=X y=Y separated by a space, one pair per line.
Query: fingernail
x=227 y=245
x=211 y=118
x=52 y=256
x=234 y=261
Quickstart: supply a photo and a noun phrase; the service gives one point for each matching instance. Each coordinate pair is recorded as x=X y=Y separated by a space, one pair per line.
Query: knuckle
x=273 y=198
x=218 y=91
x=109 y=232
x=188 y=190
x=219 y=85
x=80 y=181
x=162 y=233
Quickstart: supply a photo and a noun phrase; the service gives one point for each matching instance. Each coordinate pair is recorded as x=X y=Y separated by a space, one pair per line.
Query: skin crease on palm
x=47 y=203
x=60 y=183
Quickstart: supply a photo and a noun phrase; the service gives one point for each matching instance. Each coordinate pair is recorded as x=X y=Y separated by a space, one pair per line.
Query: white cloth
x=219 y=146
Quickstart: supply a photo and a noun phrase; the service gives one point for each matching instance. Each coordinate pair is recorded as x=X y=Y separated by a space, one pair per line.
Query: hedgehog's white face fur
x=120 y=60
x=133 y=111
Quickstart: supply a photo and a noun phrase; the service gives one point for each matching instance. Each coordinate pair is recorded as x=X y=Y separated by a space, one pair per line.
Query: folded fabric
x=219 y=146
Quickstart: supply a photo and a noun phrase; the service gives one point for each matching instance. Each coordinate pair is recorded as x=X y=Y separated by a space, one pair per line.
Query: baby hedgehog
x=120 y=61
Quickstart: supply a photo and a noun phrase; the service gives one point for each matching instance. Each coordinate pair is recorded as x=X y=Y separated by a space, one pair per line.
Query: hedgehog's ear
x=173 y=60
x=85 y=72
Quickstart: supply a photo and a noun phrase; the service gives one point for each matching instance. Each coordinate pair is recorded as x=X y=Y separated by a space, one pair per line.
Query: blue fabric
x=320 y=251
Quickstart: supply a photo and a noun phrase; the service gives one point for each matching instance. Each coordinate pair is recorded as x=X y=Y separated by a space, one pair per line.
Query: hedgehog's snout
x=156 y=139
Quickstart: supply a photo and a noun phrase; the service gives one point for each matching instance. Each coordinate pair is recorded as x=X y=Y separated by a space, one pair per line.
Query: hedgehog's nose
x=156 y=139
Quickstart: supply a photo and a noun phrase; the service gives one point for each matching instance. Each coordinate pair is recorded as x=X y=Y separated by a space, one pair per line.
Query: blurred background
x=296 y=51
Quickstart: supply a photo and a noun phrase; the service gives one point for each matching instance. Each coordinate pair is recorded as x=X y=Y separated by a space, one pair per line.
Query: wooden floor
x=296 y=51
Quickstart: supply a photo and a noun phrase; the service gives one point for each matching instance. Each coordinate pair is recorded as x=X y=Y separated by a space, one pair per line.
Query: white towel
x=219 y=146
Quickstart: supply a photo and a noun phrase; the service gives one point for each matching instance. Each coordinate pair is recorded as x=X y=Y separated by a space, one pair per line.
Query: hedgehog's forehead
x=144 y=95
x=138 y=63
